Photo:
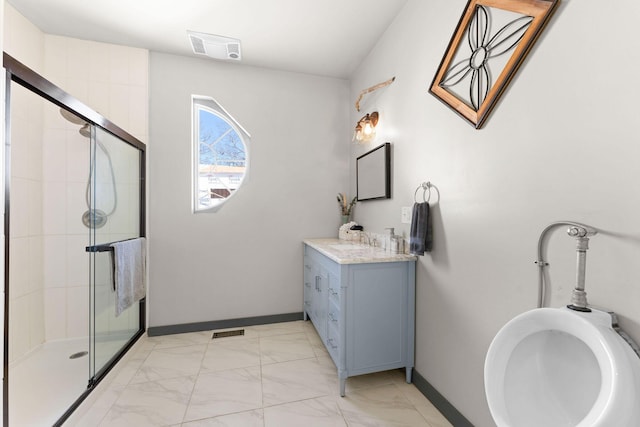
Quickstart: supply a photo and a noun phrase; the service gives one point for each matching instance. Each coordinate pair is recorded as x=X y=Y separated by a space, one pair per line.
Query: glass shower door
x=70 y=187
x=48 y=367
x=114 y=215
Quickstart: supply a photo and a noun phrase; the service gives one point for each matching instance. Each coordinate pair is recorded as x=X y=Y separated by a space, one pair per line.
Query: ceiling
x=323 y=37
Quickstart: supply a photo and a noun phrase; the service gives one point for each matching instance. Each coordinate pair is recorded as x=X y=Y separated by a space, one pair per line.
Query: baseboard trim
x=154 y=331
x=439 y=401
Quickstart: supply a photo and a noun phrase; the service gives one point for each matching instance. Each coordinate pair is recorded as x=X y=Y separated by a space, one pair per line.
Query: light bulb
x=368 y=129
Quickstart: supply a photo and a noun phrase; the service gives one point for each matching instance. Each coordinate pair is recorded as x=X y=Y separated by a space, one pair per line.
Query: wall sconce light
x=366 y=127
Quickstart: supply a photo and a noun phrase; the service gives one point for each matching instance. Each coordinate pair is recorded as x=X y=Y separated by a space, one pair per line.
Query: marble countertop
x=347 y=252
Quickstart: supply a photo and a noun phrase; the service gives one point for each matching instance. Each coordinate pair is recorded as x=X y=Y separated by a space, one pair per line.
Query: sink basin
x=346 y=247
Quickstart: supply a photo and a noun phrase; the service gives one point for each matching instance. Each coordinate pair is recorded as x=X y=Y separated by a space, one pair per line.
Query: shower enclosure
x=74 y=183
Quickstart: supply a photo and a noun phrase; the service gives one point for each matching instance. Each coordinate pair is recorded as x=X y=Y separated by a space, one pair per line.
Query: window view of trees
x=221 y=158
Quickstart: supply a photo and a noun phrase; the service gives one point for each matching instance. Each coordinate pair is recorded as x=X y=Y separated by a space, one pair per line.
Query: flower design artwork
x=484 y=48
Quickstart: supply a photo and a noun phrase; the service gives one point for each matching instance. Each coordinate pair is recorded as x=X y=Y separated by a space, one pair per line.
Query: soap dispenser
x=398 y=246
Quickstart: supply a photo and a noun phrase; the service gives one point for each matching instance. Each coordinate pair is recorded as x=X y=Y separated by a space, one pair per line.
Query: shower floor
x=44 y=384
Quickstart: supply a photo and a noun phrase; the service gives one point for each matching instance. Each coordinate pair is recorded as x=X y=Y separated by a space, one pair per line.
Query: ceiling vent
x=216 y=47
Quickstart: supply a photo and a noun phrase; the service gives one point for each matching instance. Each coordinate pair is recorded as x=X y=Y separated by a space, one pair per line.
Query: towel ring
x=425 y=186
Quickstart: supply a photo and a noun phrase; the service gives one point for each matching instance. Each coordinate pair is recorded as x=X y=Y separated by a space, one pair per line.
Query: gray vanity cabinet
x=364 y=312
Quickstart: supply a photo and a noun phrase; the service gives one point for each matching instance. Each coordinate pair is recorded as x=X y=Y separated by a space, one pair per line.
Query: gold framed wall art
x=490 y=42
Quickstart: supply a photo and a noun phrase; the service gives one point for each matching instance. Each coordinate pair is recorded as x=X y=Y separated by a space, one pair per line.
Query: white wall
x=562 y=144
x=26 y=289
x=23 y=40
x=246 y=259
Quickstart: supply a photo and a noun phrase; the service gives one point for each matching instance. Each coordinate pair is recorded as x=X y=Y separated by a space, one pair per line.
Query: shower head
x=85 y=130
x=70 y=117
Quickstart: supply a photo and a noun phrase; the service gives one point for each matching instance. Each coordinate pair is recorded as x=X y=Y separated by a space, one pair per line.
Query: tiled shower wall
x=49 y=265
x=112 y=80
x=26 y=289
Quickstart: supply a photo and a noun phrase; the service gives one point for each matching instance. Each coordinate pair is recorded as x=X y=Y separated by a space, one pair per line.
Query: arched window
x=220 y=154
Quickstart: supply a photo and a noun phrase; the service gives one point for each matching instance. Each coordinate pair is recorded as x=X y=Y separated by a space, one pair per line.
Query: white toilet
x=553 y=367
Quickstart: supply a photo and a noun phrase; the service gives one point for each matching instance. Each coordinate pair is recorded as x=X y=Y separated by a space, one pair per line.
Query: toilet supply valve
x=576 y=231
x=582 y=233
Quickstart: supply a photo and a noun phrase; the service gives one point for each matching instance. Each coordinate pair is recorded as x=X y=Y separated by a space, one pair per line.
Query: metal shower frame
x=19 y=73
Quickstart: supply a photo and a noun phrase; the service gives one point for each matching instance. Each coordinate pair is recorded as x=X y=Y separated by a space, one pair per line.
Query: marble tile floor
x=276 y=375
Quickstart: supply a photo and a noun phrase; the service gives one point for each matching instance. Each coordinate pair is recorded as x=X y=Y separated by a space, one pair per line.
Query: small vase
x=345 y=218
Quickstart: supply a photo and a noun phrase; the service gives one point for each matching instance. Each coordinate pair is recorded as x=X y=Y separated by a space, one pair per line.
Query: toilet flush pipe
x=581 y=232
x=579 y=296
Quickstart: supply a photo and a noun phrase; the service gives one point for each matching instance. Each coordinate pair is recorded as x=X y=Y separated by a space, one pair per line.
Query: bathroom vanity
x=361 y=300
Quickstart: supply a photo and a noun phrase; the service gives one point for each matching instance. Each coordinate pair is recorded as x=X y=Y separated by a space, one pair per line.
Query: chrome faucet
x=370 y=241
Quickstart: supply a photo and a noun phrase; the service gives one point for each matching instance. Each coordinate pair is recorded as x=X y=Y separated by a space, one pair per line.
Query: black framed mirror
x=373 y=174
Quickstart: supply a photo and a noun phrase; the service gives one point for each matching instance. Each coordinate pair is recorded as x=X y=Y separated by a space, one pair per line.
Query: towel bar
x=425 y=186
x=105 y=247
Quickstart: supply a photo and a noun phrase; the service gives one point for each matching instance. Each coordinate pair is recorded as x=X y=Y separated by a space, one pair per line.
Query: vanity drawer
x=333 y=342
x=308 y=271
x=333 y=315
x=307 y=291
x=334 y=290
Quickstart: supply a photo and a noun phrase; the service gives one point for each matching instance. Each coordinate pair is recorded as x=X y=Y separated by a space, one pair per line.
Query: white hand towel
x=129 y=263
